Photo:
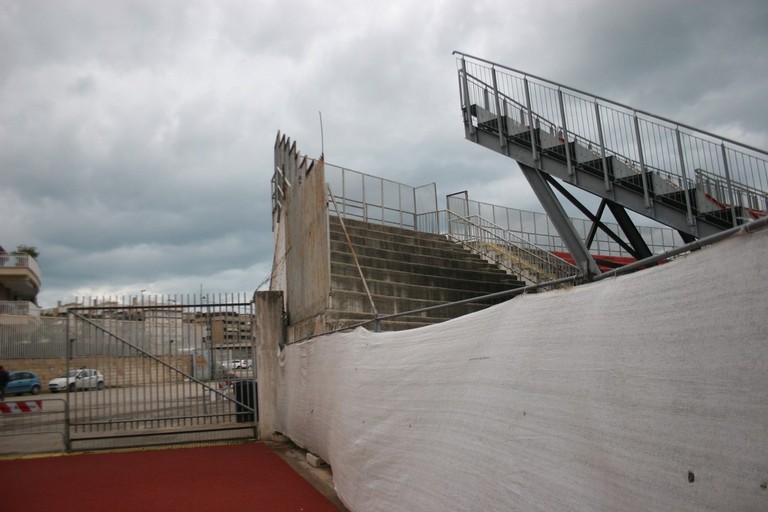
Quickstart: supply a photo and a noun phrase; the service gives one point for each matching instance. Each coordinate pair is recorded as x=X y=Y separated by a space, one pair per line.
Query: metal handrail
x=18 y=259
x=703 y=176
x=19 y=307
x=587 y=142
x=519 y=250
x=612 y=102
x=510 y=217
x=646 y=142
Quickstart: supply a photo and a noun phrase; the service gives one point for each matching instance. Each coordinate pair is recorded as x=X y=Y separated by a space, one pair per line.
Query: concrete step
x=406 y=270
x=360 y=237
x=343 y=300
x=367 y=239
x=414 y=264
x=408 y=290
x=485 y=282
x=380 y=230
x=413 y=245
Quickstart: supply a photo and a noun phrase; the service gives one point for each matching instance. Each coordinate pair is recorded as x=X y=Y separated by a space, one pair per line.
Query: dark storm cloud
x=136 y=137
x=697 y=62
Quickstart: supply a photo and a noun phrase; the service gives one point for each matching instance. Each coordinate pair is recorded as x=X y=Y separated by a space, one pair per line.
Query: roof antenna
x=322 y=140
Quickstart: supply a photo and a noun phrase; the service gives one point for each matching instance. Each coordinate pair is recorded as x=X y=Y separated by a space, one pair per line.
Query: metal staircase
x=693 y=181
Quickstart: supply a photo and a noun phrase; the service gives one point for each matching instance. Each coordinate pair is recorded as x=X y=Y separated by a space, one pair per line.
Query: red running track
x=238 y=477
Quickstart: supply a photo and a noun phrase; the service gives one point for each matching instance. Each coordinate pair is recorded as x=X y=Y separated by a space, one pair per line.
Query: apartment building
x=20 y=280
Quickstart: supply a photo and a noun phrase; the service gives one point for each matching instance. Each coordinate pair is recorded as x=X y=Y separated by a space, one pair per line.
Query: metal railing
x=178 y=368
x=537 y=229
x=496 y=244
x=372 y=199
x=713 y=187
x=32 y=337
x=18 y=307
x=149 y=321
x=647 y=142
x=20 y=260
x=376 y=200
x=25 y=420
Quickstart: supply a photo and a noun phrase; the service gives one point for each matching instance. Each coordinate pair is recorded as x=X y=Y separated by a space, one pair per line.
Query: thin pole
x=322 y=138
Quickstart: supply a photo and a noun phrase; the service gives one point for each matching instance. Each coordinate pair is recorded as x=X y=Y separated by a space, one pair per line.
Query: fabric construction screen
x=643 y=392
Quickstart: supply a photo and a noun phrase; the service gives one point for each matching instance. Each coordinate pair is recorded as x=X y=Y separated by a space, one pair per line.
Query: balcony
x=20 y=277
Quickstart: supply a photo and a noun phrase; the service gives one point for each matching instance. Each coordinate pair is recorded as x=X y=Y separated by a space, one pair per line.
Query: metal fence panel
x=144 y=366
x=33 y=425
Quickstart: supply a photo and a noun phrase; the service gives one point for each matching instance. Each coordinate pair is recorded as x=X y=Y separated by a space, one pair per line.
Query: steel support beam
x=597 y=223
x=627 y=225
x=584 y=260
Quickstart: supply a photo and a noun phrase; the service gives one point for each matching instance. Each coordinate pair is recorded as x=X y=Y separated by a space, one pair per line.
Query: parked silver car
x=84 y=378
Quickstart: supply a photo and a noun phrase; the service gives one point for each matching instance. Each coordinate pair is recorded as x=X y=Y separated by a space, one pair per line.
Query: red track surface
x=211 y=479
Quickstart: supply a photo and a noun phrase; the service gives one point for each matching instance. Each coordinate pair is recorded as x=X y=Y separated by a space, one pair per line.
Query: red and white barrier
x=21 y=407
x=224 y=388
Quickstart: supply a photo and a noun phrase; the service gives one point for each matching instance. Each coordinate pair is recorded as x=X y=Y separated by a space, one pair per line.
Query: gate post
x=269 y=336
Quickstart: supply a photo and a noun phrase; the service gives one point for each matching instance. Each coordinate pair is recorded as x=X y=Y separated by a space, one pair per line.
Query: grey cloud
x=137 y=136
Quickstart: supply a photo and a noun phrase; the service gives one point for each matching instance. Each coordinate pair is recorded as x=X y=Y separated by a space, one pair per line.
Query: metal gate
x=159 y=370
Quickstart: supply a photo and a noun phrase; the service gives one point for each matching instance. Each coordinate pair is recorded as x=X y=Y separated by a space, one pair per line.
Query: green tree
x=28 y=249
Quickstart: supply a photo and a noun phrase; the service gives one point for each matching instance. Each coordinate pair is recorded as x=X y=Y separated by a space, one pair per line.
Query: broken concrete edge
x=312 y=459
x=321 y=477
x=277 y=437
x=315 y=461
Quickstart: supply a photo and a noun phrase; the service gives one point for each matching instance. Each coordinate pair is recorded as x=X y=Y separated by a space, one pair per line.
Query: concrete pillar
x=269 y=334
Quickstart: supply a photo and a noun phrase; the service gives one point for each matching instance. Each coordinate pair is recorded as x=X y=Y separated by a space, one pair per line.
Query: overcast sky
x=136 y=137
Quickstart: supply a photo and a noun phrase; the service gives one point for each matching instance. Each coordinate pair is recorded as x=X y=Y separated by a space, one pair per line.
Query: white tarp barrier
x=644 y=392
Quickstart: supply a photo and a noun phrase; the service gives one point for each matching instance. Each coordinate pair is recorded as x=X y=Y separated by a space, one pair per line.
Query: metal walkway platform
x=691 y=180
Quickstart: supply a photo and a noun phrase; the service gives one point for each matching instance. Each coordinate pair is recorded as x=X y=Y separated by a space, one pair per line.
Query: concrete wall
x=269 y=336
x=304 y=230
